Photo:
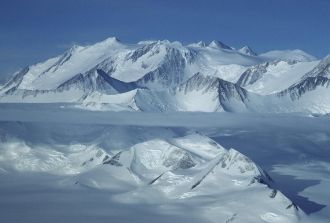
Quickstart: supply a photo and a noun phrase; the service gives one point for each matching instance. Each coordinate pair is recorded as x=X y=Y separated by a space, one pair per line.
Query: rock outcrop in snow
x=319 y=77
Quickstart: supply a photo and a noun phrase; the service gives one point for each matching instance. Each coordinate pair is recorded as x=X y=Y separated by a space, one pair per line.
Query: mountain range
x=163 y=76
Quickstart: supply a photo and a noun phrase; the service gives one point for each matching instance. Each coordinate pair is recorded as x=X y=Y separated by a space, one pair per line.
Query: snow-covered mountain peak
x=247 y=50
x=186 y=168
x=219 y=45
x=107 y=45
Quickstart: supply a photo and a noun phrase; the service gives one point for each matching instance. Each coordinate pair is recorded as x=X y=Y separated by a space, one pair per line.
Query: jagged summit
x=220 y=45
x=248 y=51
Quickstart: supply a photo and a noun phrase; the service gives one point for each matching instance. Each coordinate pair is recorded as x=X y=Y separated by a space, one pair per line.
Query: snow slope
x=311 y=93
x=272 y=77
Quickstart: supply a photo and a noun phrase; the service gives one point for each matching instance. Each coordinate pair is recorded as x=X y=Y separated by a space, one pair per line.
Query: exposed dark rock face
x=318 y=77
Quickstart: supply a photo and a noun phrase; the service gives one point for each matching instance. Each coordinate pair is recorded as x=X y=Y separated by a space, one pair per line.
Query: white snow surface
x=279 y=76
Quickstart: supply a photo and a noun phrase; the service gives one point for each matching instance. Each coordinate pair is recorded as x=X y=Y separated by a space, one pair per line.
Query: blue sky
x=34 y=30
